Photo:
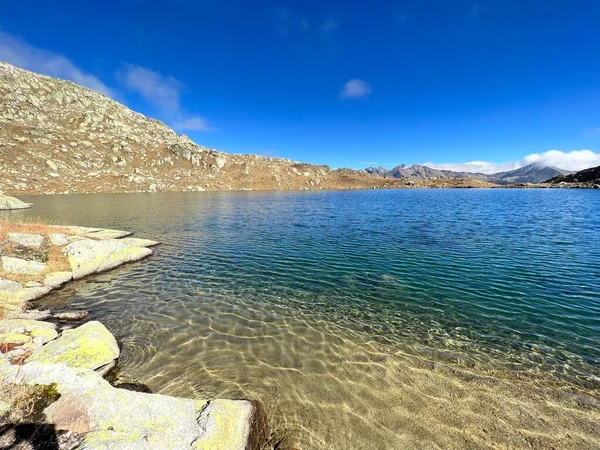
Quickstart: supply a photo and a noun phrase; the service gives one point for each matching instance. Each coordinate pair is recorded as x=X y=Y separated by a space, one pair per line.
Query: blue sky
x=348 y=84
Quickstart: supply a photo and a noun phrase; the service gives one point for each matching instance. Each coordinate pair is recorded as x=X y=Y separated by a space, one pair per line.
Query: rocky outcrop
x=87 y=250
x=90 y=346
x=589 y=178
x=7 y=202
x=89 y=256
x=113 y=418
x=87 y=411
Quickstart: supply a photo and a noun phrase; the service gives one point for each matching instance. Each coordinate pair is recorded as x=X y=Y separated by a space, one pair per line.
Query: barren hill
x=59 y=137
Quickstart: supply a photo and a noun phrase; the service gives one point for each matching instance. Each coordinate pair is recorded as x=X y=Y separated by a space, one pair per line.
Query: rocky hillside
x=528 y=174
x=584 y=178
x=59 y=137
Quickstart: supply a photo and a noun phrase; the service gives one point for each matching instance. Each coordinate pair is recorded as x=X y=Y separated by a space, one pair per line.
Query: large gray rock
x=7 y=202
x=26 y=239
x=8 y=286
x=22 y=266
x=90 y=346
x=120 y=419
x=88 y=256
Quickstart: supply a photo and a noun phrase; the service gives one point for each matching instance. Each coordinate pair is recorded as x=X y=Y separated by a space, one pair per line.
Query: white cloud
x=329 y=25
x=21 y=54
x=574 y=160
x=195 y=123
x=474 y=166
x=355 y=88
x=162 y=92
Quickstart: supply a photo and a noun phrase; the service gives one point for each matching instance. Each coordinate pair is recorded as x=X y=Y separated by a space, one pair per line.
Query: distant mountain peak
x=531 y=173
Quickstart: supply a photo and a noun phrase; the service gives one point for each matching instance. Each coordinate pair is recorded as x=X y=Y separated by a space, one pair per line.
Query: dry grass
x=27 y=226
x=27 y=402
x=53 y=256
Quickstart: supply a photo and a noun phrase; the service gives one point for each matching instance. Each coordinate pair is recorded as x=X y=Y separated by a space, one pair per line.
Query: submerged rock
x=7 y=202
x=108 y=234
x=89 y=256
x=90 y=346
x=71 y=316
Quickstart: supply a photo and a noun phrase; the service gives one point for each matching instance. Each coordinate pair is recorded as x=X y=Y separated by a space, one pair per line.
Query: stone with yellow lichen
x=117 y=418
x=56 y=279
x=88 y=256
x=89 y=346
x=9 y=341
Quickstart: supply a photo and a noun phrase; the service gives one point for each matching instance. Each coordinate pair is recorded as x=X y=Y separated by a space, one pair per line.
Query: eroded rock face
x=90 y=346
x=88 y=256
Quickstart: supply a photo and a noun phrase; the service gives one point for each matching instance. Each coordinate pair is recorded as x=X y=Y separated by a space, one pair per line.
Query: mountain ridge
x=531 y=173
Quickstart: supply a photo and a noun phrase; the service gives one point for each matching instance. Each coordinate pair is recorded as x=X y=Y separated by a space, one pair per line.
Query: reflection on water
x=375 y=320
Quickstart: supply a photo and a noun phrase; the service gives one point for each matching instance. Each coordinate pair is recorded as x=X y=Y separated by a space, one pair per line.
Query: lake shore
x=276 y=296
x=53 y=364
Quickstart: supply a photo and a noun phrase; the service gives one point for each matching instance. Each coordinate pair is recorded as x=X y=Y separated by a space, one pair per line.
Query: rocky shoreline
x=55 y=392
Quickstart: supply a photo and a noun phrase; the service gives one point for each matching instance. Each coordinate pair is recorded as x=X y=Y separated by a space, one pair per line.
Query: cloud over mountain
x=574 y=160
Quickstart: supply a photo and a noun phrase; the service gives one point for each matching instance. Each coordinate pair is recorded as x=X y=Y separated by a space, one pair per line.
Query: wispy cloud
x=194 y=123
x=162 y=92
x=330 y=25
x=285 y=21
x=475 y=166
x=21 y=54
x=355 y=88
x=475 y=9
x=573 y=160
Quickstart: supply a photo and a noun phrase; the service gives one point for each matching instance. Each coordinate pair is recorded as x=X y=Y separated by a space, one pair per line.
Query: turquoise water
x=250 y=286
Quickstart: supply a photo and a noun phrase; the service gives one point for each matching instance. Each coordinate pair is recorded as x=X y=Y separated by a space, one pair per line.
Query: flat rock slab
x=138 y=242
x=22 y=266
x=58 y=239
x=116 y=418
x=7 y=202
x=89 y=256
x=9 y=285
x=108 y=234
x=90 y=346
x=26 y=239
x=56 y=279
